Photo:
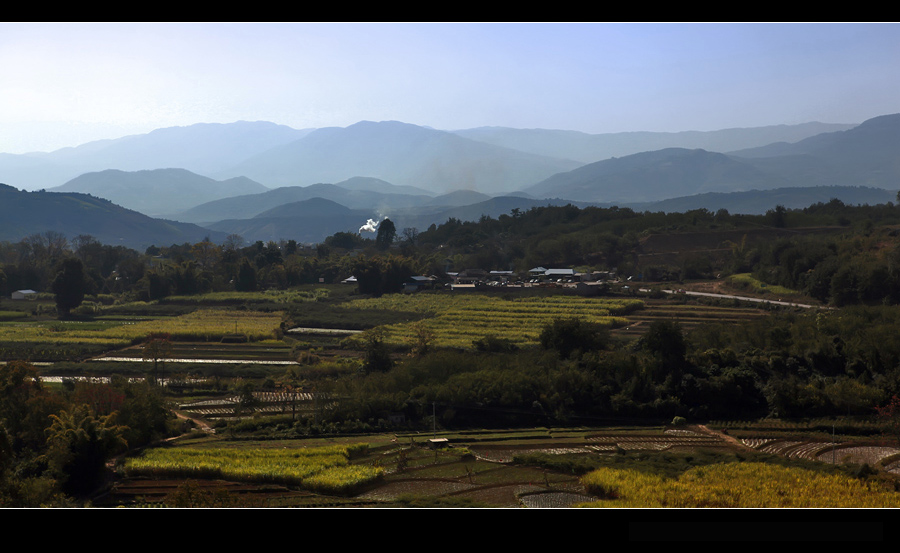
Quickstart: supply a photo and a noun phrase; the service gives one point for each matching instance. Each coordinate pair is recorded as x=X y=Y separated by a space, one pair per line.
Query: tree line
x=786 y=366
x=857 y=262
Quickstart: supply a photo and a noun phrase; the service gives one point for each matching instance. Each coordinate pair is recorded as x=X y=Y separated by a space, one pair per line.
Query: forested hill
x=830 y=251
x=72 y=214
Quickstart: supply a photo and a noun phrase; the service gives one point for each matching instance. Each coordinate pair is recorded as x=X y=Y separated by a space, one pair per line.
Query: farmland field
x=457 y=319
x=515 y=468
x=201 y=325
x=537 y=468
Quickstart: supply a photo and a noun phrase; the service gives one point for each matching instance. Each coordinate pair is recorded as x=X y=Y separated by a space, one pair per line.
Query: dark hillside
x=26 y=213
x=653 y=176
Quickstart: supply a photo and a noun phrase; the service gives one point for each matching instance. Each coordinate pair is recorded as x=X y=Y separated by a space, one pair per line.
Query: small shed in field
x=22 y=294
x=417 y=283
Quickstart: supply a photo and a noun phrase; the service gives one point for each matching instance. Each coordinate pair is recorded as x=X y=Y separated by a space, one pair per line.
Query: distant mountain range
x=268 y=182
x=204 y=148
x=588 y=148
x=866 y=155
x=489 y=160
x=399 y=153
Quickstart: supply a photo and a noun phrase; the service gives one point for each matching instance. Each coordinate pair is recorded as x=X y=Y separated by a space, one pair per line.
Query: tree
x=144 y=413
x=666 y=341
x=247 y=402
x=777 y=216
x=79 y=445
x=246 y=280
x=233 y=242
x=567 y=336
x=889 y=414
x=378 y=358
x=422 y=339
x=382 y=275
x=386 y=234
x=157 y=348
x=411 y=234
x=24 y=406
x=69 y=286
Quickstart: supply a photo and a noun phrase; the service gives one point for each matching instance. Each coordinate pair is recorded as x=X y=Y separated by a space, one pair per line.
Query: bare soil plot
x=858 y=454
x=688 y=316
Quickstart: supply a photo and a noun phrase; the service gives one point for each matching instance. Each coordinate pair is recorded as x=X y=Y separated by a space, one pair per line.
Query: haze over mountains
x=270 y=182
x=155 y=192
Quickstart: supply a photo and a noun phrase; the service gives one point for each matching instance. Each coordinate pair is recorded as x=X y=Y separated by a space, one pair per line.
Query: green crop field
x=456 y=320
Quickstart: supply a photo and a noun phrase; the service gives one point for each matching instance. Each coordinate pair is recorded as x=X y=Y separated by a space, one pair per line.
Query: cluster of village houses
x=478 y=278
x=536 y=277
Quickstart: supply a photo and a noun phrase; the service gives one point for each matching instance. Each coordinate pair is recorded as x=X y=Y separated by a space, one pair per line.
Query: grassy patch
x=747 y=282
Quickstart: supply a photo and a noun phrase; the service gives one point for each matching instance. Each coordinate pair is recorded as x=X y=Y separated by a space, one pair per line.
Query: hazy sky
x=63 y=84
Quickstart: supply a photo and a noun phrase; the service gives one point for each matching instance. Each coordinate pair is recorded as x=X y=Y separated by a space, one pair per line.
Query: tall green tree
x=79 y=443
x=246 y=278
x=387 y=231
x=69 y=286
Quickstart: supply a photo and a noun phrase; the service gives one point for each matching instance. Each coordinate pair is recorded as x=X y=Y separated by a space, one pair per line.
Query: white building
x=22 y=294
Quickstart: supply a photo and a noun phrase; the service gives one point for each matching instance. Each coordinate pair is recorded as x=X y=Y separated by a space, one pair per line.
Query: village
x=586 y=283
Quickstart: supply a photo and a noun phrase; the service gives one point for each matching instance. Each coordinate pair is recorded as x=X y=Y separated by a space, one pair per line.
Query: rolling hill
x=757 y=202
x=653 y=176
x=250 y=205
x=157 y=192
x=26 y=213
x=306 y=221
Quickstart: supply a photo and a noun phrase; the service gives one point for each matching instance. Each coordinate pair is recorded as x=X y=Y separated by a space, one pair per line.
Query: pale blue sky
x=63 y=84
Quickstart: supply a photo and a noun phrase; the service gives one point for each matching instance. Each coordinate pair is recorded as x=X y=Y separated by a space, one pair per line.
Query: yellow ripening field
x=324 y=469
x=201 y=325
x=736 y=485
x=457 y=320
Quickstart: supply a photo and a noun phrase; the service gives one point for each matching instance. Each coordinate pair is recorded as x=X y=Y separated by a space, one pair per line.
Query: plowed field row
x=859 y=454
x=688 y=316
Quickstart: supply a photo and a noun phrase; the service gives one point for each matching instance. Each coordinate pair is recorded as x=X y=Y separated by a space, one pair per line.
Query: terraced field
x=268 y=403
x=455 y=320
x=478 y=468
x=688 y=316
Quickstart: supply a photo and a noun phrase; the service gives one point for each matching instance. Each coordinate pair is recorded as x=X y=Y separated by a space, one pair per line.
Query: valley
x=512 y=334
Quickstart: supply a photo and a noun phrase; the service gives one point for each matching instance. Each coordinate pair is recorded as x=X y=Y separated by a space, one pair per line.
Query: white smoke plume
x=370 y=226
